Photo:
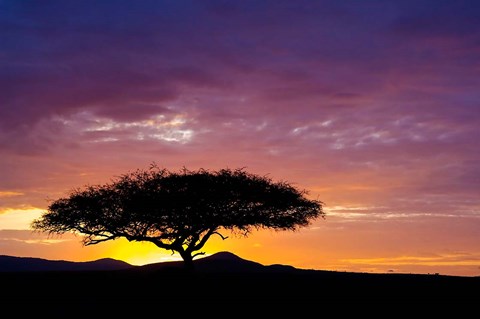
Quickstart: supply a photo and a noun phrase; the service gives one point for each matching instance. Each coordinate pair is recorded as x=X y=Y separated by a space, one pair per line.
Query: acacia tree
x=179 y=211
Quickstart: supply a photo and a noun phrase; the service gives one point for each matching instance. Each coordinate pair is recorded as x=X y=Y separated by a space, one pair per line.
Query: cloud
x=10 y=194
x=18 y=219
x=458 y=259
x=442 y=20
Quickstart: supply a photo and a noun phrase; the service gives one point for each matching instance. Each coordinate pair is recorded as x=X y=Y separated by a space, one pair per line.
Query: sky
x=371 y=106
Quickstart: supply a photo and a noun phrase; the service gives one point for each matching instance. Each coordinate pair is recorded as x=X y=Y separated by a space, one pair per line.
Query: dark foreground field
x=231 y=282
x=95 y=286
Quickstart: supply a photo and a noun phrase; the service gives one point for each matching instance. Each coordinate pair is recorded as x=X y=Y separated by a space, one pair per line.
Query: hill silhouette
x=30 y=264
x=221 y=262
x=222 y=277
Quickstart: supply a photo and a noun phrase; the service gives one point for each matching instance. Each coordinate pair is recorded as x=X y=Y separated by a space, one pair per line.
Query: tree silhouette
x=179 y=211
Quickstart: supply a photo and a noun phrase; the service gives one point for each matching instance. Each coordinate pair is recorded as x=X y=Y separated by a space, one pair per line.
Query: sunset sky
x=372 y=106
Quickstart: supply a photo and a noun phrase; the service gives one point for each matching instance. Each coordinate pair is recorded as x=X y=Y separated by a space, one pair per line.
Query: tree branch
x=217 y=233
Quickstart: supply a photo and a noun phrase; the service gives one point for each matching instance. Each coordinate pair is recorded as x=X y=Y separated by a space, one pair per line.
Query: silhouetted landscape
x=222 y=277
x=28 y=264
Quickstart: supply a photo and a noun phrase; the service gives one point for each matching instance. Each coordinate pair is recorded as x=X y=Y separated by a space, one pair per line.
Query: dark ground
x=224 y=285
x=100 y=288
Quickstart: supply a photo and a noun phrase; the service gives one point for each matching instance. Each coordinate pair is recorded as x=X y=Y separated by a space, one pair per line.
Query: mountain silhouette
x=221 y=262
x=218 y=262
x=29 y=264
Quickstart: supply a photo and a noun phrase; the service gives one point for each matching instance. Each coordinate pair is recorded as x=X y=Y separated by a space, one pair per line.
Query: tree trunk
x=187 y=261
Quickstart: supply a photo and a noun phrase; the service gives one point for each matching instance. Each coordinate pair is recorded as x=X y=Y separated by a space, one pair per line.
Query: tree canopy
x=179 y=211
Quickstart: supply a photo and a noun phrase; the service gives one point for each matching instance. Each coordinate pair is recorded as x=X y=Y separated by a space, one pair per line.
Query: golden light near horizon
x=139 y=253
x=19 y=219
x=10 y=194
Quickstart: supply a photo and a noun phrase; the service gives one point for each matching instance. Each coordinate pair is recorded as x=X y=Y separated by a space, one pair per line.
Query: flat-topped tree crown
x=179 y=211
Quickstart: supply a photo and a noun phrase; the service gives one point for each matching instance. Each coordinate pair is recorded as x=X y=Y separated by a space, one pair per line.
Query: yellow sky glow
x=10 y=194
x=18 y=218
x=416 y=260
